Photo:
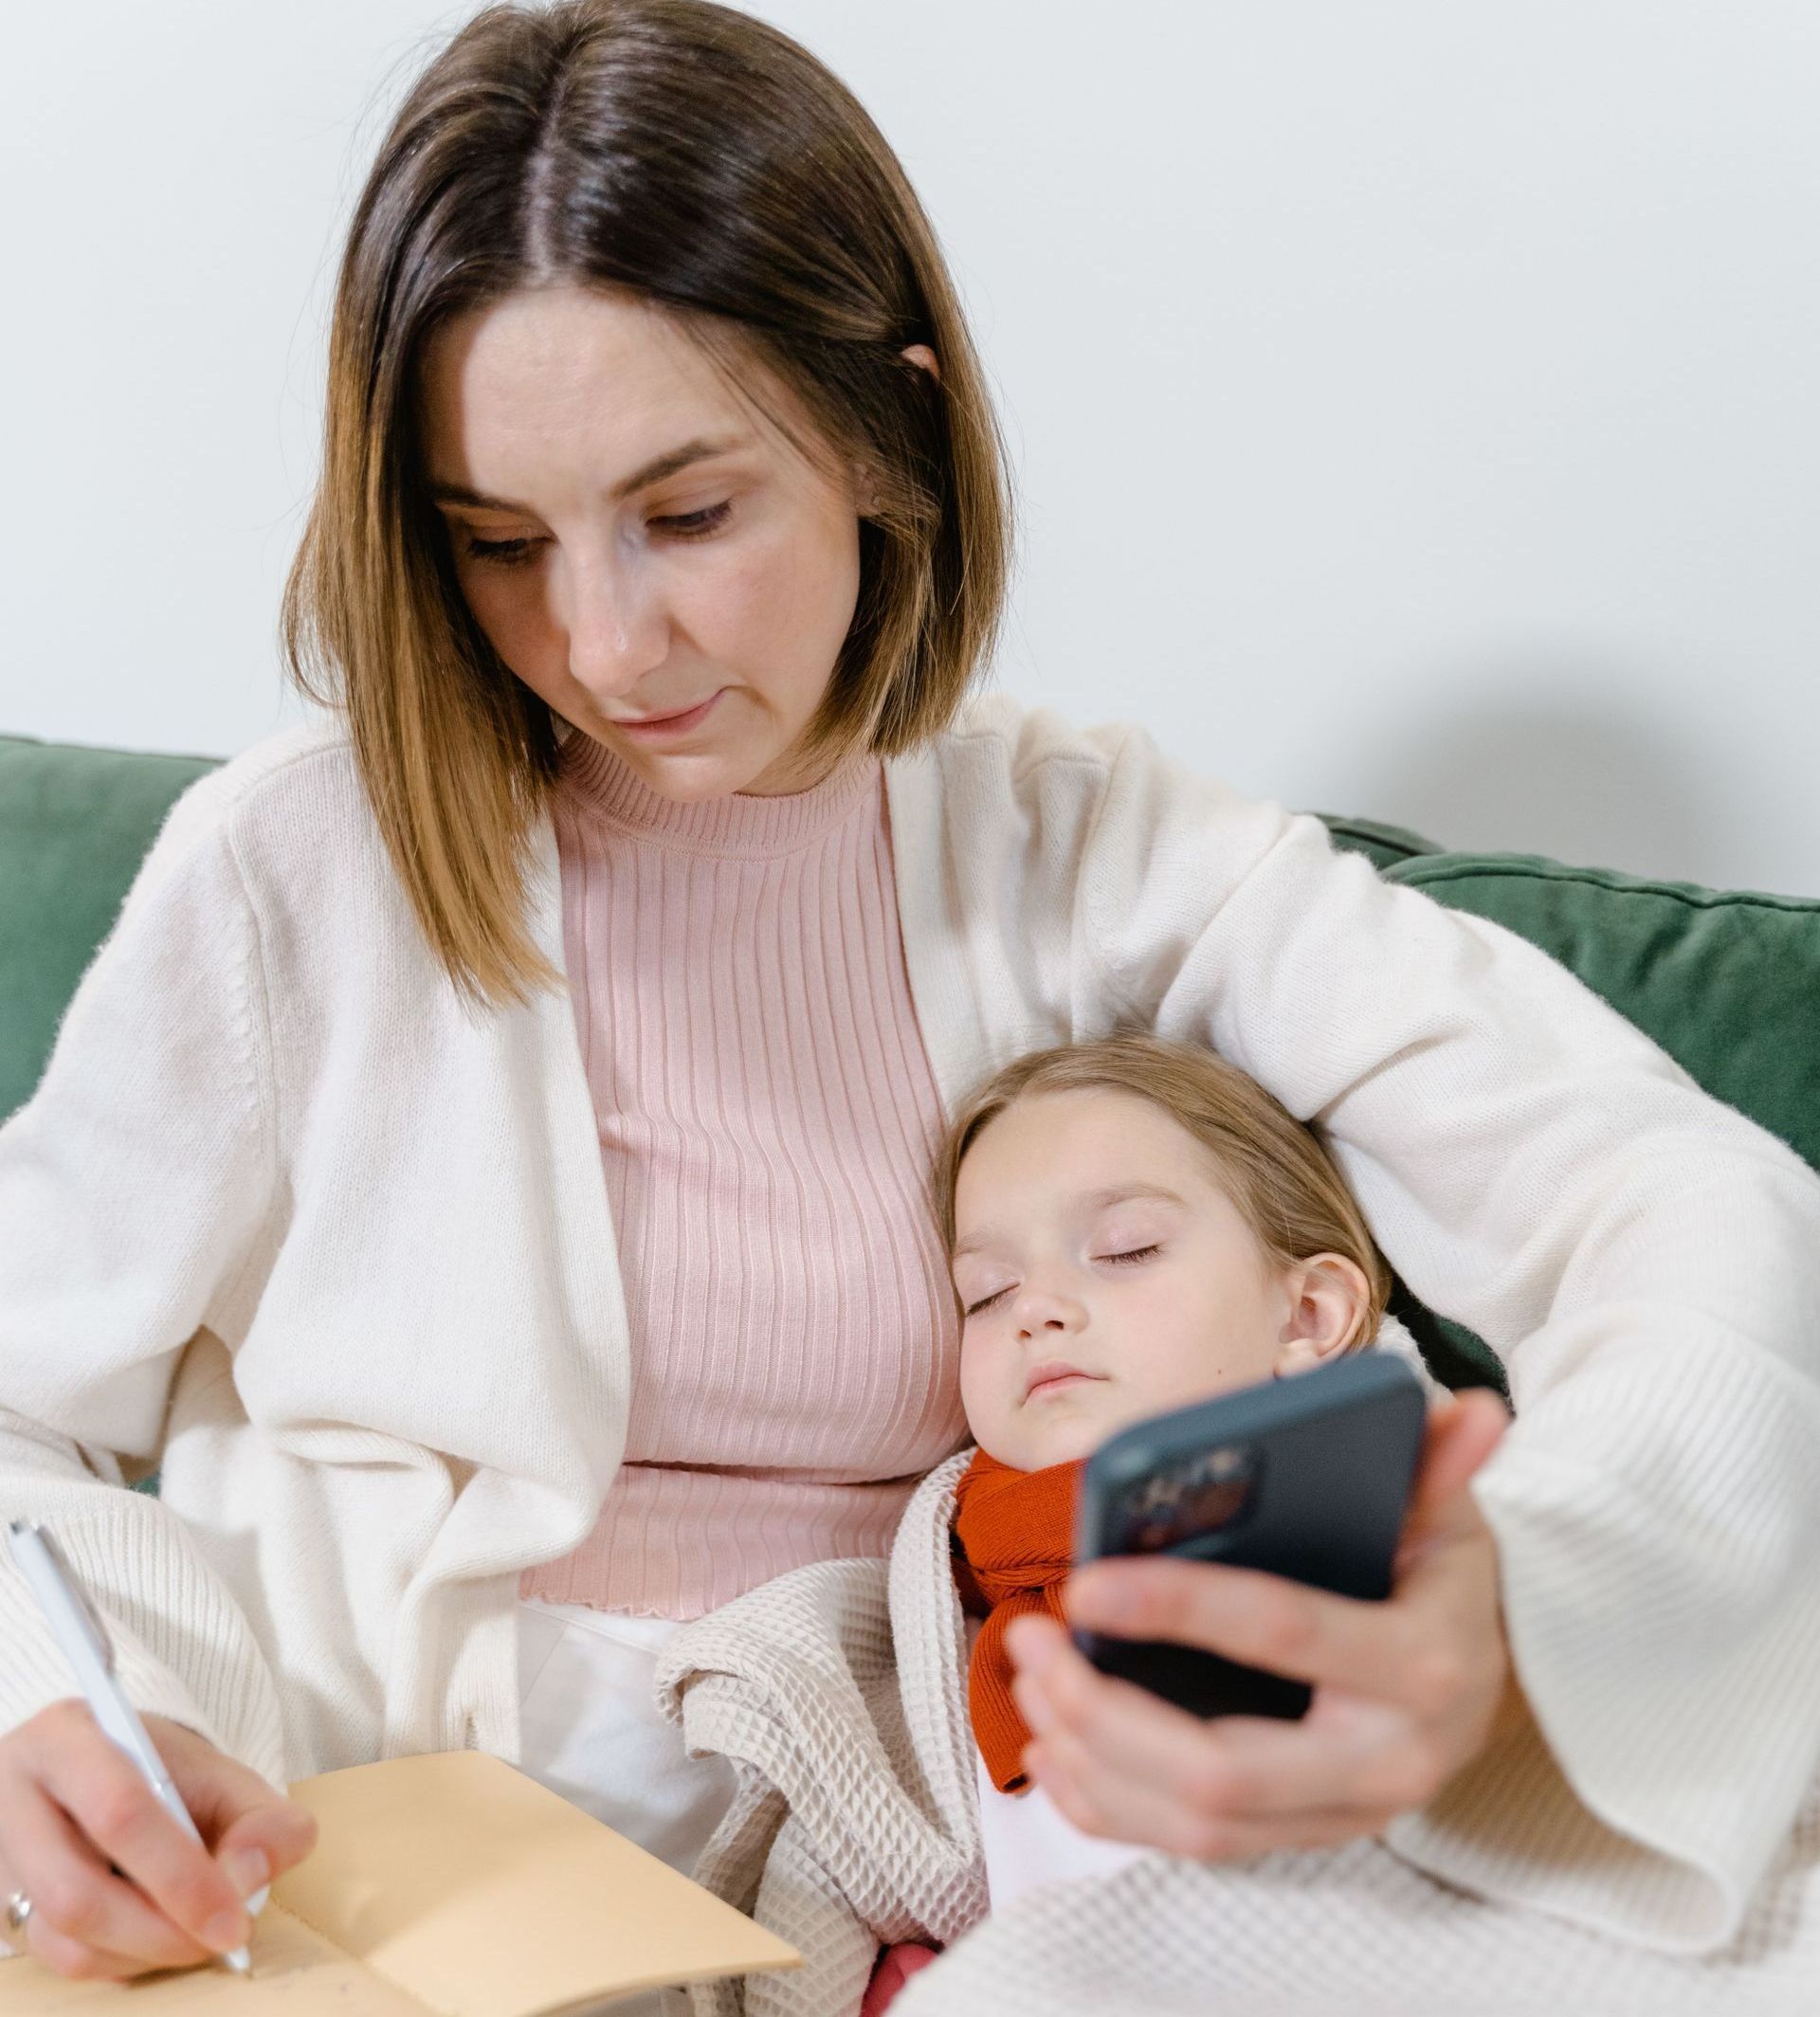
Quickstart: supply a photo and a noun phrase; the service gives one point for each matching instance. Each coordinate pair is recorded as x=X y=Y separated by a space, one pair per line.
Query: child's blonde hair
x=1281 y=1178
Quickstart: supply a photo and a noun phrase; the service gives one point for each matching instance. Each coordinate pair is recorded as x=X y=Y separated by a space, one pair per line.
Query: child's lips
x=1055 y=1377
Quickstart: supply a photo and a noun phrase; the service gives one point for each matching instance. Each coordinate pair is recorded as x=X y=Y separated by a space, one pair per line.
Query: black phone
x=1309 y=1475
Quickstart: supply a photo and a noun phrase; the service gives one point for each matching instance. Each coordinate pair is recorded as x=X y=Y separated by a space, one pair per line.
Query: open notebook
x=448 y=1885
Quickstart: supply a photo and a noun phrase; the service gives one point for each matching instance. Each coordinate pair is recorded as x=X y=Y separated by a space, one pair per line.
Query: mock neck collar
x=741 y=823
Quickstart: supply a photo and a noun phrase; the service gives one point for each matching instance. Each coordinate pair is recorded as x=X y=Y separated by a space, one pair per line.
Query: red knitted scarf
x=1015 y=1532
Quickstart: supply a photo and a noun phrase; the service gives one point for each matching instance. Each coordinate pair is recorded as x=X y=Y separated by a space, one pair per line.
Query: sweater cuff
x=36 y=1672
x=1661 y=1737
x=141 y=1579
x=1510 y=1827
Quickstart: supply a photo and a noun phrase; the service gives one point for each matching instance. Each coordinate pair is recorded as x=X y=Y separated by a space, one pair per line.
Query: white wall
x=1416 y=407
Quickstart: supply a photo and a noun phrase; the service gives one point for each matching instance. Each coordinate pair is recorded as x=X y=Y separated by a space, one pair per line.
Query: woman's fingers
x=1346 y=1756
x=255 y=1832
x=1265 y=1621
x=1402 y=1650
x=1406 y=1689
x=103 y=1793
x=84 y=1918
x=117 y=1885
x=1126 y=1811
x=74 y=1959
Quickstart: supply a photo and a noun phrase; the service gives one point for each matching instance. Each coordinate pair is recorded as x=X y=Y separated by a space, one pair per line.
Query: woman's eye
x=985 y=1302
x=697 y=524
x=688 y=525
x=1133 y=1253
x=503 y=553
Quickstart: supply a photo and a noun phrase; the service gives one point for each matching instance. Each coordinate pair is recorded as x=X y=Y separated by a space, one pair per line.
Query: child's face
x=1105 y=1274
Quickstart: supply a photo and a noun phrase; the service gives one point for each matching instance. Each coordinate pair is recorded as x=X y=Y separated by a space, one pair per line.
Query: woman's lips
x=655 y=728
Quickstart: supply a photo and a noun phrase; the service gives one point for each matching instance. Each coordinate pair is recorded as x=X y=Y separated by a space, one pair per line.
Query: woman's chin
x=687 y=777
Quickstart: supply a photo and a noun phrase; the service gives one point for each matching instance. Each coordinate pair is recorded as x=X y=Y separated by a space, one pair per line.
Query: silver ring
x=18 y=1911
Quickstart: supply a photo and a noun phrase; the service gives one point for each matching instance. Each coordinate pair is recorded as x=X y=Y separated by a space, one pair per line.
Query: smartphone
x=1309 y=1477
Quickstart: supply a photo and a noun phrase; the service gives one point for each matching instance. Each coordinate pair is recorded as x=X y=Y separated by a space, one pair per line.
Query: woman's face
x=666 y=572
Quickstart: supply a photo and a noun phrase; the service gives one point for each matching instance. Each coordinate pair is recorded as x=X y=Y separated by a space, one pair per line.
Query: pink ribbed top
x=768 y=1121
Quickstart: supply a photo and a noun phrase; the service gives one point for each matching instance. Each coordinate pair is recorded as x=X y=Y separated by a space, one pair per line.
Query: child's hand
x=1405 y=1691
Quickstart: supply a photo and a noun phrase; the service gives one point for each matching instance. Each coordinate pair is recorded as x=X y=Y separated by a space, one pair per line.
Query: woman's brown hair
x=692 y=155
x=1275 y=1168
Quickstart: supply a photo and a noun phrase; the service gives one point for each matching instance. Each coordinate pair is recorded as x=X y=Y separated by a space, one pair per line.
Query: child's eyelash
x=691 y=525
x=1131 y=1254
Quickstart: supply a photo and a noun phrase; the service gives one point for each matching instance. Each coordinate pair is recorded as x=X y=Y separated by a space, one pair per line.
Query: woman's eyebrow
x=654 y=471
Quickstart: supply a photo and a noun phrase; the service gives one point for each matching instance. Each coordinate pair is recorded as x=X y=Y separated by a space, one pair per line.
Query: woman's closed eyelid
x=510 y=552
x=682 y=526
x=698 y=523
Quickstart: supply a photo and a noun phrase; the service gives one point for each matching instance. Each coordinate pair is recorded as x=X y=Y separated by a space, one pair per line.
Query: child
x=1133 y=1224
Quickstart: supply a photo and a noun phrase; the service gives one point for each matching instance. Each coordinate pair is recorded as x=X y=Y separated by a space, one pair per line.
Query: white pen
x=79 y=1632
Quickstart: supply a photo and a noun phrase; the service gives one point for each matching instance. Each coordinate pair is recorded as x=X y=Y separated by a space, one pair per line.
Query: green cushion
x=1726 y=981
x=74 y=825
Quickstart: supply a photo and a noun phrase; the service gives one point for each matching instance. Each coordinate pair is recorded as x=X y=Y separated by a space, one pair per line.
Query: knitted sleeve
x=1640 y=1255
x=134 y=1189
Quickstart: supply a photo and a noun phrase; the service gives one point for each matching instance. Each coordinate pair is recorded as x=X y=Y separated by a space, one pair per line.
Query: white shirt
x=1026 y=1839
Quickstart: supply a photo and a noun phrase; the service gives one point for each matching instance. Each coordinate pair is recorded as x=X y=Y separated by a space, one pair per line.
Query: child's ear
x=1328 y=1298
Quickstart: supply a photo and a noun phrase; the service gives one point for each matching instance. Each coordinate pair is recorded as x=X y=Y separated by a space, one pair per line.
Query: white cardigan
x=290 y=1221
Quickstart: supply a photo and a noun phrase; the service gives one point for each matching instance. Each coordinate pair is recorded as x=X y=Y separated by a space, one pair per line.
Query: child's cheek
x=1143 y=1343
x=989 y=1373
x=975 y=1383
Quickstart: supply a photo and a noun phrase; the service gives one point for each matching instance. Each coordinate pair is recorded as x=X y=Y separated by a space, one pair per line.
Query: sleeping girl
x=1134 y=1226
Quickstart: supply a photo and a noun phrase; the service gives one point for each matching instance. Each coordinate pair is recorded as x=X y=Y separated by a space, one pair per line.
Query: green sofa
x=1725 y=981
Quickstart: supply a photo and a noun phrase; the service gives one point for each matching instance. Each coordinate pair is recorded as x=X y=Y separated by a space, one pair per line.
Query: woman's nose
x=616 y=628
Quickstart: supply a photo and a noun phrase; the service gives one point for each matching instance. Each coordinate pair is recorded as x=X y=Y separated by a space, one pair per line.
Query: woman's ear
x=925 y=359
x=1328 y=1296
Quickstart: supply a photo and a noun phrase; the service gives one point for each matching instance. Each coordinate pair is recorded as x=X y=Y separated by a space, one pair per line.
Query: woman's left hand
x=1405 y=1690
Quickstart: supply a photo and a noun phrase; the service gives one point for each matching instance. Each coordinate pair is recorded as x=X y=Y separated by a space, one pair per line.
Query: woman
x=661 y=529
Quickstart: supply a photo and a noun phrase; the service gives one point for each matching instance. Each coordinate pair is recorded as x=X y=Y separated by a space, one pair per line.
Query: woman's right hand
x=117 y=1887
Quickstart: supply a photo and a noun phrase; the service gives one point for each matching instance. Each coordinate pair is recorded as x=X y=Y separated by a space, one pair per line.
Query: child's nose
x=1045 y=1310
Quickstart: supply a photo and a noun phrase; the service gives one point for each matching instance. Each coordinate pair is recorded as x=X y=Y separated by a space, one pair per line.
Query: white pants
x=591 y=1732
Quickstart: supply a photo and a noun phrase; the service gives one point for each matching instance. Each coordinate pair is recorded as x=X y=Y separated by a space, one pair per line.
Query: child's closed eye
x=1133 y=1253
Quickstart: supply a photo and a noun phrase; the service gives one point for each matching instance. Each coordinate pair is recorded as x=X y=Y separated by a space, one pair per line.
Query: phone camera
x=1200 y=1495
